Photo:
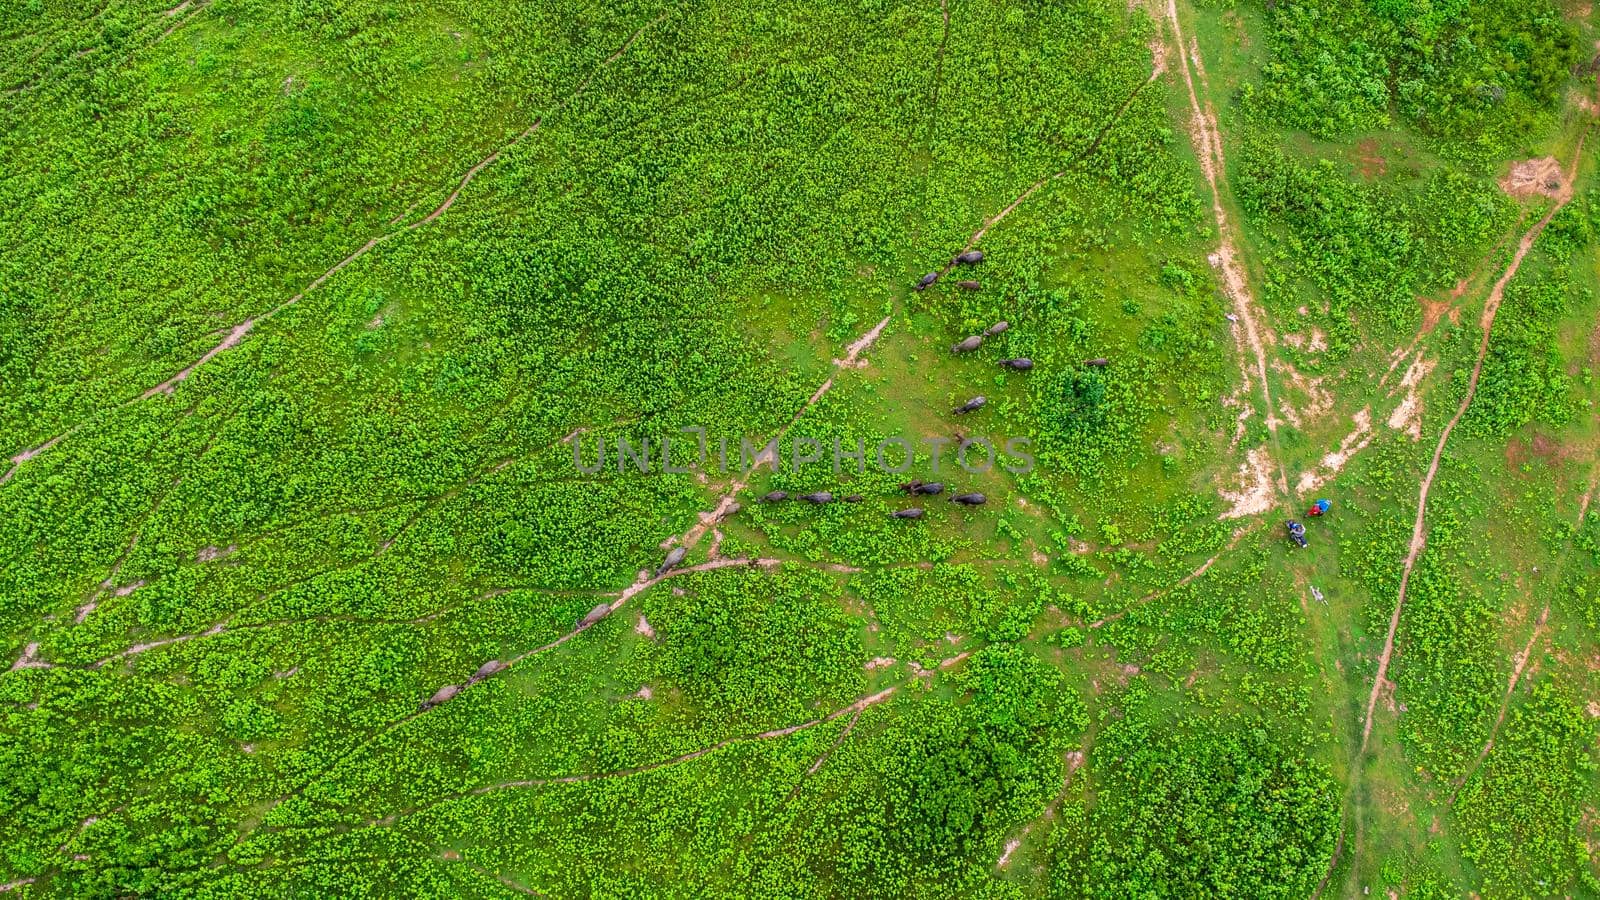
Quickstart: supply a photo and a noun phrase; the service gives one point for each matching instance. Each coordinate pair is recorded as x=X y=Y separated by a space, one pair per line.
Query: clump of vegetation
x=1473 y=75
x=1220 y=812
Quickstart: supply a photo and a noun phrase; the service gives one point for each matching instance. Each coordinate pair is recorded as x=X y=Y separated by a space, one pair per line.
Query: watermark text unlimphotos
x=692 y=450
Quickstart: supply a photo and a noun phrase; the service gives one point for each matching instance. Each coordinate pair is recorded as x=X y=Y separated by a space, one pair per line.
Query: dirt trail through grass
x=1419 y=525
x=1157 y=69
x=853 y=710
x=1206 y=136
x=1419 y=531
x=1074 y=761
x=1520 y=664
x=1238 y=535
x=239 y=332
x=20 y=458
x=688 y=540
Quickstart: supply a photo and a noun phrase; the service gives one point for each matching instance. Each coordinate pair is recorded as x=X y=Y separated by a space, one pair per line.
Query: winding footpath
x=1419 y=530
x=239 y=332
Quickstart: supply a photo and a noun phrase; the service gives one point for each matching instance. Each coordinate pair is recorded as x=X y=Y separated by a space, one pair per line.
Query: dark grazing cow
x=442 y=695
x=673 y=558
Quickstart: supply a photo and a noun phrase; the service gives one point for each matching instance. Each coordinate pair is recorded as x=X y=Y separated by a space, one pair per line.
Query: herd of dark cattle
x=1021 y=364
x=914 y=488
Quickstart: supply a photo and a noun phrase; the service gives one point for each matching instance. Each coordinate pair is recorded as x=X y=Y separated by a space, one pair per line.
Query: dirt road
x=1206 y=136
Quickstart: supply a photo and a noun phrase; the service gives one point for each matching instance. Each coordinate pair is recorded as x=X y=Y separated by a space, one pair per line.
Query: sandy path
x=823 y=759
x=852 y=357
x=24 y=456
x=136 y=649
x=181 y=15
x=108 y=584
x=1075 y=760
x=235 y=335
x=1419 y=533
x=1206 y=136
x=30 y=659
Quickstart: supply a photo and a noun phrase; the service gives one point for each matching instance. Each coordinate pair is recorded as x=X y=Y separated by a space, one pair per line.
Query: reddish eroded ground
x=1434 y=311
x=1369 y=162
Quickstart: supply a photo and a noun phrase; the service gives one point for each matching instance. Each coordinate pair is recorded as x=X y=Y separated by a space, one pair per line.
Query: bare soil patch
x=1516 y=453
x=1407 y=415
x=1534 y=177
x=1255 y=492
x=1434 y=311
x=214 y=553
x=1369 y=162
x=1334 y=462
x=1548 y=449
